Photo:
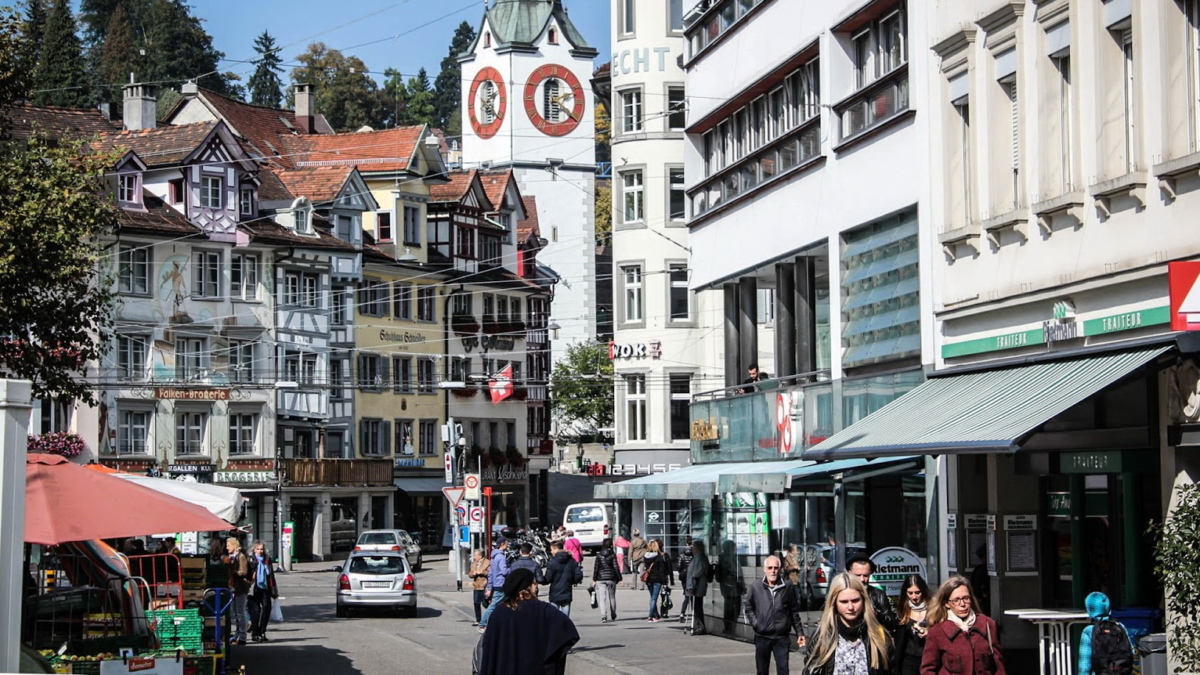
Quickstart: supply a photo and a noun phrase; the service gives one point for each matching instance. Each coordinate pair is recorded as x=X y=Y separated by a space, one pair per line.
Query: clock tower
x=527 y=107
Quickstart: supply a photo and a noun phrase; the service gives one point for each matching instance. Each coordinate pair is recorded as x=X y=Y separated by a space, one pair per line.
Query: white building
x=527 y=106
x=664 y=333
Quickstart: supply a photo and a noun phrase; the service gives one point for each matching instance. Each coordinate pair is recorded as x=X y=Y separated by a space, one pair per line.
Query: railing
x=874 y=104
x=362 y=472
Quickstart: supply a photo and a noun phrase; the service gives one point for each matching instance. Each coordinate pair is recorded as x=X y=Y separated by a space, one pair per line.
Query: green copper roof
x=520 y=22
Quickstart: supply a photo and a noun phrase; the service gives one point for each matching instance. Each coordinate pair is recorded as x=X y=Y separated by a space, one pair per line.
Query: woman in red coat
x=960 y=641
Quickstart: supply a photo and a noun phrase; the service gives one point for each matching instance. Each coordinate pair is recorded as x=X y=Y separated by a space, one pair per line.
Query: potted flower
x=514 y=456
x=468 y=391
x=464 y=324
x=58 y=443
x=497 y=456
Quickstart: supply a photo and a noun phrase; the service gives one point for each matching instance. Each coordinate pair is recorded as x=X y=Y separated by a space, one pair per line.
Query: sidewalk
x=629 y=646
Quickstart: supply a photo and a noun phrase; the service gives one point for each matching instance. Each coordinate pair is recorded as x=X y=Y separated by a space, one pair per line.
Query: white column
x=14 y=424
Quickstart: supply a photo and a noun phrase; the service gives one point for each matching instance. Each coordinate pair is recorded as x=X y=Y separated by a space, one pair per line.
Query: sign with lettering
x=640 y=60
x=175 y=393
x=597 y=469
x=706 y=430
x=246 y=477
x=190 y=468
x=506 y=473
x=976 y=521
x=892 y=566
x=1058 y=329
x=503 y=343
x=1020 y=523
x=410 y=462
x=400 y=338
x=635 y=350
x=167 y=665
x=952 y=521
x=1102 y=461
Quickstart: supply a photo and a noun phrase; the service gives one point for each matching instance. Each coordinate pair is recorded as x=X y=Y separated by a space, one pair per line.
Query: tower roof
x=518 y=23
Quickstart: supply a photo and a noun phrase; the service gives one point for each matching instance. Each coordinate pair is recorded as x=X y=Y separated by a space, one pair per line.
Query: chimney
x=140 y=110
x=304 y=108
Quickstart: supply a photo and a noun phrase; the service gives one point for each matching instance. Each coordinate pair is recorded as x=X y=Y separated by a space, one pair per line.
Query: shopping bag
x=276 y=611
x=595 y=602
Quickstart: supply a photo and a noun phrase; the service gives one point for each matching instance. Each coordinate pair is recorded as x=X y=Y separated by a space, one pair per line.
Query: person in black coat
x=862 y=569
x=525 y=636
x=562 y=572
x=605 y=575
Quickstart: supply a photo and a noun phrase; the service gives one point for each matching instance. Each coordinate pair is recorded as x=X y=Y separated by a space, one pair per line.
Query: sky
x=401 y=34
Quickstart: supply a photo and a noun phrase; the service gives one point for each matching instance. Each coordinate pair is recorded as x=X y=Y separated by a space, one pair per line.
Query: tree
x=118 y=56
x=582 y=400
x=56 y=300
x=59 y=78
x=603 y=132
x=35 y=28
x=421 y=108
x=345 y=93
x=1177 y=564
x=395 y=99
x=179 y=49
x=603 y=217
x=266 y=87
x=448 y=85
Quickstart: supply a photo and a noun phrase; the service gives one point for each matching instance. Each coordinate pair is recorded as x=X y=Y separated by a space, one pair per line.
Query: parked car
x=824 y=570
x=391 y=540
x=591 y=522
x=376 y=579
x=343 y=527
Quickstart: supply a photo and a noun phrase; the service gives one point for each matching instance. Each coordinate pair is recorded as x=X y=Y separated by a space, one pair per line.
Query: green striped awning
x=988 y=411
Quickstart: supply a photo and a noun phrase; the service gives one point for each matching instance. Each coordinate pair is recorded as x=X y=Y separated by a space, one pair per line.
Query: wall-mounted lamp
x=408 y=256
x=554 y=328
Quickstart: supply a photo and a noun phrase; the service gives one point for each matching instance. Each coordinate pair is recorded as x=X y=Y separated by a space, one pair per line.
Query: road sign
x=471 y=483
x=454 y=495
x=1182 y=278
x=461 y=512
x=449 y=464
x=476 y=518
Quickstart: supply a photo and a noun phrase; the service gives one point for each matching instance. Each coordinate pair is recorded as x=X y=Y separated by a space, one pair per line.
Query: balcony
x=336 y=472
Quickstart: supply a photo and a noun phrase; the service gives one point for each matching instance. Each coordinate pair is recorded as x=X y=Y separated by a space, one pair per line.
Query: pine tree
x=448 y=86
x=59 y=78
x=179 y=49
x=421 y=109
x=395 y=99
x=266 y=88
x=35 y=28
x=118 y=56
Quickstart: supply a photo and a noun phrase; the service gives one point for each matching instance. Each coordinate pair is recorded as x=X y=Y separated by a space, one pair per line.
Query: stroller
x=664 y=601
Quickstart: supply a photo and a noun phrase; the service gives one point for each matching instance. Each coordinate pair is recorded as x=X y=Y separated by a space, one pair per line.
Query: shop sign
x=635 y=350
x=1057 y=329
x=952 y=521
x=142 y=666
x=410 y=462
x=504 y=343
x=400 y=338
x=1020 y=523
x=892 y=565
x=1155 y=316
x=976 y=521
x=1183 y=280
x=991 y=522
x=190 y=468
x=1103 y=461
x=174 y=393
x=246 y=477
x=1058 y=504
x=598 y=469
x=706 y=430
x=506 y=473
x=1063 y=325
x=639 y=60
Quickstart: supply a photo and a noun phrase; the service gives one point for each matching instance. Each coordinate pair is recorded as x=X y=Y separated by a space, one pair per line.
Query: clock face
x=487 y=101
x=554 y=100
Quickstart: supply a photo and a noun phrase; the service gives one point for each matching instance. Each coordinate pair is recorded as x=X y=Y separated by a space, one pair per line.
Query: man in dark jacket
x=685 y=561
x=562 y=572
x=863 y=568
x=525 y=561
x=773 y=613
x=605 y=575
x=695 y=586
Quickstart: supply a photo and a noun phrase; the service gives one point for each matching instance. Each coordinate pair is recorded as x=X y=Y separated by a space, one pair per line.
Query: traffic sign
x=454 y=495
x=461 y=512
x=471 y=482
x=476 y=518
x=1182 y=278
x=449 y=465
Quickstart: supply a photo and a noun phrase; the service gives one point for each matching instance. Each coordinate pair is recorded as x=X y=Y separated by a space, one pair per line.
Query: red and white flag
x=502 y=384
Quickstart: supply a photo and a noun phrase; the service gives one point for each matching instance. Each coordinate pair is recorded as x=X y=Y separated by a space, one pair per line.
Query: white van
x=591 y=522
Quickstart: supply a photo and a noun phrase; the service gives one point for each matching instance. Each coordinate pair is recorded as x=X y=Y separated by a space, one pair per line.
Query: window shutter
x=361 y=372
x=385 y=368
x=362 y=436
x=385 y=438
x=1016 y=136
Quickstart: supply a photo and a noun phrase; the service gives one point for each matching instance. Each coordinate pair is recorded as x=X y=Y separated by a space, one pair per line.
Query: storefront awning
x=777 y=477
x=693 y=482
x=981 y=412
x=421 y=486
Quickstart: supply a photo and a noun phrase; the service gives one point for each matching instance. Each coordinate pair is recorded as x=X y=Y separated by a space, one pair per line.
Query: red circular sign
x=471 y=482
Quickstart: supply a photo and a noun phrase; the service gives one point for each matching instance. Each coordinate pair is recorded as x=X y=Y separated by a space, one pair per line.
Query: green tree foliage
x=345 y=93
x=603 y=212
x=1178 y=567
x=35 y=28
x=266 y=87
x=59 y=78
x=394 y=99
x=56 y=304
x=118 y=56
x=421 y=102
x=603 y=132
x=448 y=85
x=582 y=400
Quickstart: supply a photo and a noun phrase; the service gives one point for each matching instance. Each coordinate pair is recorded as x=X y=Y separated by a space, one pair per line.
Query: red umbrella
x=66 y=502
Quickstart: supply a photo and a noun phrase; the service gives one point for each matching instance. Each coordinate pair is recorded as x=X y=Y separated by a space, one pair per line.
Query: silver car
x=391 y=540
x=380 y=579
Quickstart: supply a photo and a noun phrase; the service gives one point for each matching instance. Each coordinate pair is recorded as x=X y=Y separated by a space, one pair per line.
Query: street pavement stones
x=311 y=641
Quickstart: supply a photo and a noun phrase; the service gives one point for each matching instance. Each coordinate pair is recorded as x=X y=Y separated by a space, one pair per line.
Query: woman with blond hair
x=960 y=640
x=849 y=639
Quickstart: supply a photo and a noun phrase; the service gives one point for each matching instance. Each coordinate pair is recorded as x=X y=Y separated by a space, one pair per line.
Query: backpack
x=1112 y=652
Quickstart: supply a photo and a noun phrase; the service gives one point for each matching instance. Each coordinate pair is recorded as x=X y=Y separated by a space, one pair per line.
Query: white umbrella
x=223 y=502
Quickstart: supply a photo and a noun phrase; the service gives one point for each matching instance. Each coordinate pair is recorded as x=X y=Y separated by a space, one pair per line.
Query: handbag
x=276 y=612
x=646 y=573
x=592 y=599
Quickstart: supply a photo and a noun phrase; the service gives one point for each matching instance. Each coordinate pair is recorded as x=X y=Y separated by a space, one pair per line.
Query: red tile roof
x=529 y=226
x=59 y=122
x=456 y=188
x=160 y=146
x=270 y=188
x=495 y=183
x=158 y=218
x=388 y=150
x=320 y=183
x=261 y=126
x=267 y=231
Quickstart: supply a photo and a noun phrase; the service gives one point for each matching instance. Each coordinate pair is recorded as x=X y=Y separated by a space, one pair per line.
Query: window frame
x=206 y=274
x=191 y=431
x=212 y=192
x=638 y=194
x=426 y=375
x=672 y=287
x=238 y=430
x=412 y=225
x=243 y=278
x=426 y=307
x=383 y=227
x=242 y=361
x=402 y=376
x=137 y=280
x=632 y=293
x=128 y=192
x=633 y=110
x=635 y=407
x=679 y=398
x=675 y=112
x=676 y=189
x=246 y=202
x=192 y=359
x=129 y=368
x=125 y=425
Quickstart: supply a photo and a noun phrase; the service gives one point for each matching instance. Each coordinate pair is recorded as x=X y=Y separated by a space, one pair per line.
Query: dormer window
x=303 y=221
x=487 y=39
x=211 y=188
x=553 y=36
x=127 y=188
x=246 y=202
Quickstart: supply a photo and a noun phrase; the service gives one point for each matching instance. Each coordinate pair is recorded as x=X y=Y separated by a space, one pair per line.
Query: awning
x=778 y=477
x=421 y=486
x=980 y=412
x=698 y=481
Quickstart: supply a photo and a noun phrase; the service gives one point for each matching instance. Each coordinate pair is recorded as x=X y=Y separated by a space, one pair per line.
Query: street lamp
x=554 y=328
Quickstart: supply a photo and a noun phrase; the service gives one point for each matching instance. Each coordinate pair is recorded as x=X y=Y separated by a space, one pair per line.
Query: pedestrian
x=1104 y=647
x=479 y=579
x=605 y=576
x=621 y=545
x=562 y=572
x=239 y=583
x=981 y=582
x=696 y=586
x=961 y=640
x=791 y=572
x=571 y=545
x=263 y=592
x=862 y=568
x=685 y=561
x=527 y=636
x=912 y=613
x=849 y=640
x=658 y=573
x=497 y=574
x=753 y=375
x=637 y=554
x=525 y=560
x=773 y=613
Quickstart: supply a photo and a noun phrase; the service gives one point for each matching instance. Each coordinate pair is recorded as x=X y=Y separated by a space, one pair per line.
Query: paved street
x=440 y=639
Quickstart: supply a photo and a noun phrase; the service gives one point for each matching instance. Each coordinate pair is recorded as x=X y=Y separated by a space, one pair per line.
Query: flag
x=502 y=384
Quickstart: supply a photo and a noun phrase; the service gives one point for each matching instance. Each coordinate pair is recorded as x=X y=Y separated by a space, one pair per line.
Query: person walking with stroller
x=605 y=575
x=658 y=573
